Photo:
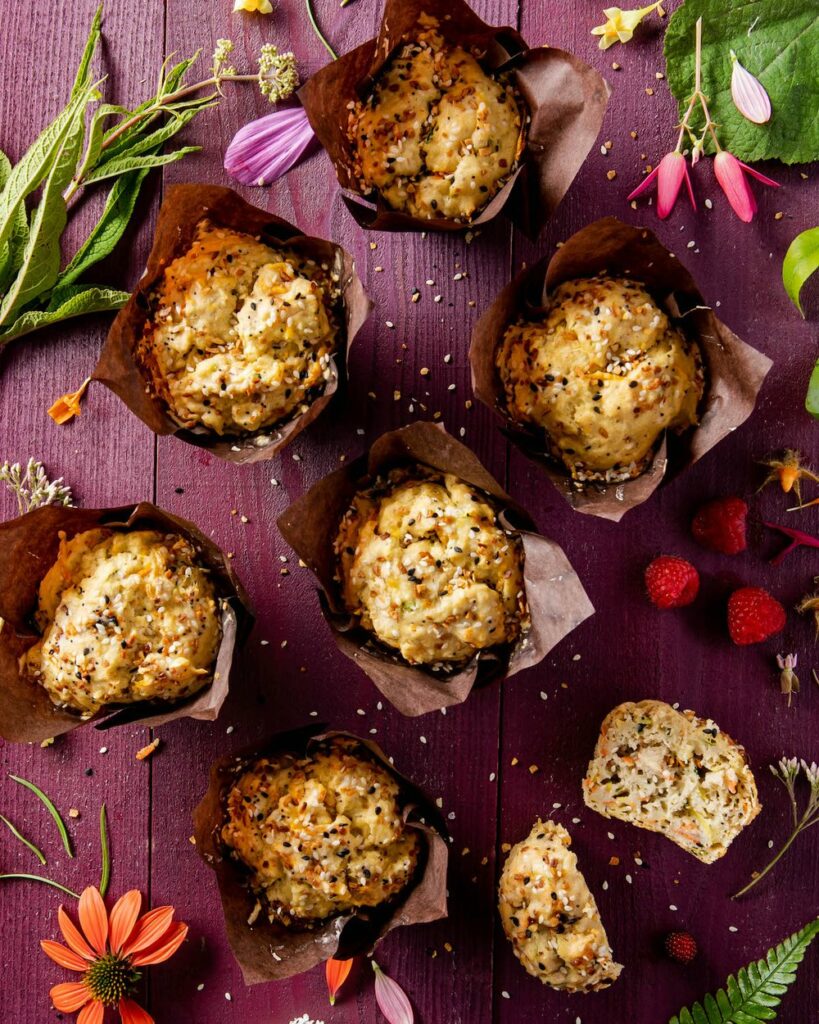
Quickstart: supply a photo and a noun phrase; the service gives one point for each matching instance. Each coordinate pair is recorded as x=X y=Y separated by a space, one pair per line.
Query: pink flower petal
x=749 y=94
x=391 y=998
x=669 y=180
x=644 y=184
x=262 y=151
x=759 y=177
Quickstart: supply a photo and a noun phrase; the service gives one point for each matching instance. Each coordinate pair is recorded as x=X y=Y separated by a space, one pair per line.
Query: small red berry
x=681 y=947
x=720 y=525
x=753 y=615
x=671 y=582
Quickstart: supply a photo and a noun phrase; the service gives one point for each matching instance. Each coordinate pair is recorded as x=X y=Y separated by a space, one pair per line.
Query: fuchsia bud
x=267 y=148
x=730 y=174
x=669 y=174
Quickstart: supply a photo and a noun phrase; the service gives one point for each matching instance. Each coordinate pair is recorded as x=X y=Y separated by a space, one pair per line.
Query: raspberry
x=753 y=615
x=671 y=582
x=720 y=525
x=681 y=947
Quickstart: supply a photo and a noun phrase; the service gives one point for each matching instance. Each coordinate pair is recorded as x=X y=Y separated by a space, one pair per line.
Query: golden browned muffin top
x=438 y=135
x=321 y=834
x=429 y=570
x=242 y=335
x=125 y=617
x=603 y=372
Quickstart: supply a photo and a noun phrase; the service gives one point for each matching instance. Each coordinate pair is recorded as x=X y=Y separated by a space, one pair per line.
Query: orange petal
x=94 y=1013
x=70 y=996
x=73 y=936
x=149 y=929
x=63 y=956
x=94 y=918
x=68 y=406
x=123 y=918
x=336 y=972
x=131 y=1013
x=171 y=941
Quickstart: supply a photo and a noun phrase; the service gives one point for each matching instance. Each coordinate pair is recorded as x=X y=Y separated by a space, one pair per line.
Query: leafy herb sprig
x=91 y=141
x=787 y=772
x=757 y=989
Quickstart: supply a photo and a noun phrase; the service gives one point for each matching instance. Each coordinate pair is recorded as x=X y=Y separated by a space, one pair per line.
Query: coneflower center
x=110 y=978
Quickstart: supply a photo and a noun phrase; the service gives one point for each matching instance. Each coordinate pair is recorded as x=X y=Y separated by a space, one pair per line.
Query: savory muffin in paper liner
x=112 y=616
x=443 y=648
x=233 y=337
x=442 y=121
x=320 y=848
x=693 y=381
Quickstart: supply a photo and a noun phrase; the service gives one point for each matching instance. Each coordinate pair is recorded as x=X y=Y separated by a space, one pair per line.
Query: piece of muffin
x=427 y=568
x=550 y=916
x=603 y=372
x=322 y=834
x=241 y=335
x=673 y=773
x=438 y=135
x=124 y=617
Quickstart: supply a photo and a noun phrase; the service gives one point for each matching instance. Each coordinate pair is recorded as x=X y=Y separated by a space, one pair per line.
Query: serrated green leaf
x=777 y=40
x=138 y=143
x=96 y=133
x=761 y=985
x=124 y=164
x=77 y=301
x=81 y=79
x=801 y=261
x=12 y=249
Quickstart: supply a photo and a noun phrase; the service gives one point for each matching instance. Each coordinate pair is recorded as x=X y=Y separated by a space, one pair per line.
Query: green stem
x=52 y=810
x=38 y=853
x=105 y=873
x=45 y=881
x=318 y=31
x=770 y=865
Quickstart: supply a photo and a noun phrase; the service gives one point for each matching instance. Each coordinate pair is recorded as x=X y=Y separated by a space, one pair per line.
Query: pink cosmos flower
x=267 y=148
x=670 y=173
x=730 y=174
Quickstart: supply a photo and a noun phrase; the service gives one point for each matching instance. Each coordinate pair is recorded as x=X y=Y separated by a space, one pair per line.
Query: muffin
x=602 y=373
x=427 y=568
x=438 y=135
x=672 y=773
x=320 y=835
x=240 y=335
x=550 y=916
x=124 y=617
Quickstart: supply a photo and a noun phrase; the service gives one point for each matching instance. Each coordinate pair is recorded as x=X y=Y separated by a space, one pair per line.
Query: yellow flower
x=620 y=25
x=68 y=406
x=262 y=6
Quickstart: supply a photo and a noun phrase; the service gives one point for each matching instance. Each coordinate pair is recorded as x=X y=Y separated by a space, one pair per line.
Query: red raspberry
x=753 y=615
x=681 y=947
x=720 y=525
x=671 y=582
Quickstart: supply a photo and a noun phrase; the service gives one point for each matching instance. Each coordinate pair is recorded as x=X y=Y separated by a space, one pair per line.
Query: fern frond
x=754 y=994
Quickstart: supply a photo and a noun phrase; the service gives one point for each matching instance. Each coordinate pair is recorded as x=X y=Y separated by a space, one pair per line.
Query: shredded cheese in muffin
x=242 y=335
x=438 y=136
x=322 y=834
x=550 y=916
x=603 y=373
x=672 y=773
x=124 y=617
x=428 y=569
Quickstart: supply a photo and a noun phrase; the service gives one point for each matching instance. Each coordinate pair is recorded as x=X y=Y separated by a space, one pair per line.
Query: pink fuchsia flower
x=730 y=174
x=267 y=148
x=670 y=173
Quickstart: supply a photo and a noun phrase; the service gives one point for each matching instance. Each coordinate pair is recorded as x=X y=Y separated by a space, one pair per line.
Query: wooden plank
x=628 y=650
x=278 y=686
x=107 y=457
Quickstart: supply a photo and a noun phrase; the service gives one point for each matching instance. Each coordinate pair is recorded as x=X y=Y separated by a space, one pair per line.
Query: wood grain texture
x=290 y=672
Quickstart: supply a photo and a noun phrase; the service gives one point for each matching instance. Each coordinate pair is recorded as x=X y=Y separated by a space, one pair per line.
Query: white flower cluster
x=32 y=487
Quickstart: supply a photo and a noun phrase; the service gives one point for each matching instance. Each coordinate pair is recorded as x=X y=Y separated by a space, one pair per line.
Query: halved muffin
x=320 y=835
x=550 y=916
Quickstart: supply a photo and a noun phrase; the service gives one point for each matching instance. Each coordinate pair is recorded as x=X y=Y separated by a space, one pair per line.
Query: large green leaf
x=75 y=302
x=776 y=40
x=126 y=164
x=801 y=261
x=755 y=993
x=11 y=251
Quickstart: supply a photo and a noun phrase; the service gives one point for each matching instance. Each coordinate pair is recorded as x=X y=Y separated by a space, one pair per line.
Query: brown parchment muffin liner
x=181 y=212
x=556 y=598
x=268 y=951
x=28 y=549
x=734 y=372
x=566 y=101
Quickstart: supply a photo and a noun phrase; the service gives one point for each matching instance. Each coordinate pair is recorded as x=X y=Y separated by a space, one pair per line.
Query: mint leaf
x=757 y=989
x=124 y=164
x=776 y=40
x=11 y=251
x=74 y=301
x=801 y=260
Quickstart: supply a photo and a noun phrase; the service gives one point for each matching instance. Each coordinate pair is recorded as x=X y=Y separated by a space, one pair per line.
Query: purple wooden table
x=459 y=971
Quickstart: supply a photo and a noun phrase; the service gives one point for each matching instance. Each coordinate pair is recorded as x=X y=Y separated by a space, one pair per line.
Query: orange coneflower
x=108 y=952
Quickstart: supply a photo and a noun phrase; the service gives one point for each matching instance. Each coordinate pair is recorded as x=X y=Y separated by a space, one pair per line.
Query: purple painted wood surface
x=459 y=971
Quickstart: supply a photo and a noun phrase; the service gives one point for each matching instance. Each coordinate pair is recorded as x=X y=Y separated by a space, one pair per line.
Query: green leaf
x=124 y=164
x=776 y=40
x=75 y=301
x=96 y=133
x=109 y=228
x=48 y=803
x=812 y=400
x=11 y=252
x=801 y=260
x=81 y=79
x=756 y=992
